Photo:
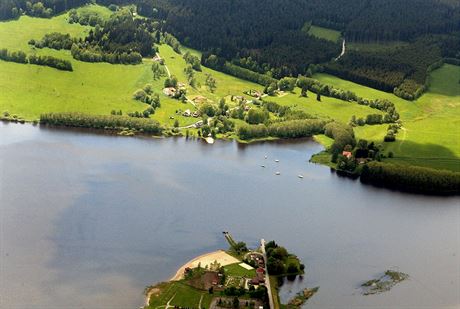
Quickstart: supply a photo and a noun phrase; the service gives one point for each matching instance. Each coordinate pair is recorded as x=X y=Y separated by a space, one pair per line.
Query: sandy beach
x=220 y=256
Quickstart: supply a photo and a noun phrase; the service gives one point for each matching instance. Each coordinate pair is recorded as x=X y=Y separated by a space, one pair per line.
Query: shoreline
x=218 y=255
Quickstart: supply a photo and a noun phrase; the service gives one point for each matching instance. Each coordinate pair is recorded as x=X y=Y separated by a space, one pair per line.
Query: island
x=236 y=278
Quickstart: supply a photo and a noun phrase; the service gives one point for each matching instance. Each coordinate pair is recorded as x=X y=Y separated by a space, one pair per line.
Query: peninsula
x=236 y=278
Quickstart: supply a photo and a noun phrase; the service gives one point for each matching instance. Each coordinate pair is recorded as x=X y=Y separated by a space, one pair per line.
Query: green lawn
x=324 y=33
x=237 y=271
x=431 y=125
x=182 y=295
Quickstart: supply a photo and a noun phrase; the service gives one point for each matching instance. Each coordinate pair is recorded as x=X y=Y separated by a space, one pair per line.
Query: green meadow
x=96 y=88
x=431 y=124
x=324 y=33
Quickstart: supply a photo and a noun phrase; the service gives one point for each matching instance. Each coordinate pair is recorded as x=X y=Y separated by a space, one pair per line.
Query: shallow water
x=87 y=221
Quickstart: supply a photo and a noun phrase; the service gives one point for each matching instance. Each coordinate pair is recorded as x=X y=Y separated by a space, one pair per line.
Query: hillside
x=428 y=125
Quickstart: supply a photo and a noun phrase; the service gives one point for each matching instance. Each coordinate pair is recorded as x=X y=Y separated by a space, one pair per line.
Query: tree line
x=411 y=178
x=285 y=129
x=102 y=122
x=220 y=64
x=21 y=57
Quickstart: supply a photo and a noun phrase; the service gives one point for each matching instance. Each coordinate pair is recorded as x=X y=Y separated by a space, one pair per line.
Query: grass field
x=431 y=125
x=96 y=88
x=238 y=271
x=180 y=295
x=324 y=33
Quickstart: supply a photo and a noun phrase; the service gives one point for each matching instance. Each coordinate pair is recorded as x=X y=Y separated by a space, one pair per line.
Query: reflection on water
x=87 y=220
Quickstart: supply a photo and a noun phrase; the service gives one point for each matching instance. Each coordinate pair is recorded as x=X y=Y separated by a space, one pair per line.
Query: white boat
x=300 y=176
x=277 y=173
x=277 y=160
x=266 y=157
x=209 y=140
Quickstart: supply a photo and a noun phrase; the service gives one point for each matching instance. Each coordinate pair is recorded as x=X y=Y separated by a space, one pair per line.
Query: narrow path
x=168 y=304
x=343 y=51
x=199 y=304
x=403 y=138
x=166 y=67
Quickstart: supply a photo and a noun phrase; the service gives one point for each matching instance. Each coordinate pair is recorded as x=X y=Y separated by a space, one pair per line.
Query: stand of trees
x=85 y=19
x=218 y=63
x=54 y=40
x=285 y=129
x=104 y=122
x=411 y=178
x=123 y=39
x=16 y=56
x=88 y=53
x=60 y=64
x=21 y=57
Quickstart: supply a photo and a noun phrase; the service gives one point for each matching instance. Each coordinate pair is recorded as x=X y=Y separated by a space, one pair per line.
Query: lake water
x=87 y=221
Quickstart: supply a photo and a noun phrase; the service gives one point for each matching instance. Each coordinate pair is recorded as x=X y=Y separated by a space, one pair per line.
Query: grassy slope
x=97 y=88
x=324 y=33
x=226 y=84
x=328 y=108
x=431 y=124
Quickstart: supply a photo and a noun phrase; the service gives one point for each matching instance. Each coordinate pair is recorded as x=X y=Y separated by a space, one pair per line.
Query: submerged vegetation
x=384 y=283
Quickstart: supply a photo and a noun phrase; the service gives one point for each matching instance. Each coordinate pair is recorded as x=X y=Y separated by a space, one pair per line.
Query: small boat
x=277 y=173
x=266 y=157
x=277 y=160
x=262 y=166
x=300 y=176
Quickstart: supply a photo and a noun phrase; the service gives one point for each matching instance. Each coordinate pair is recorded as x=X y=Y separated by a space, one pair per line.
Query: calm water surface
x=87 y=221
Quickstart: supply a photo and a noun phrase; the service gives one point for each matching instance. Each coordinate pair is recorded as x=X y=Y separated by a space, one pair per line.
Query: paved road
x=267 y=282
